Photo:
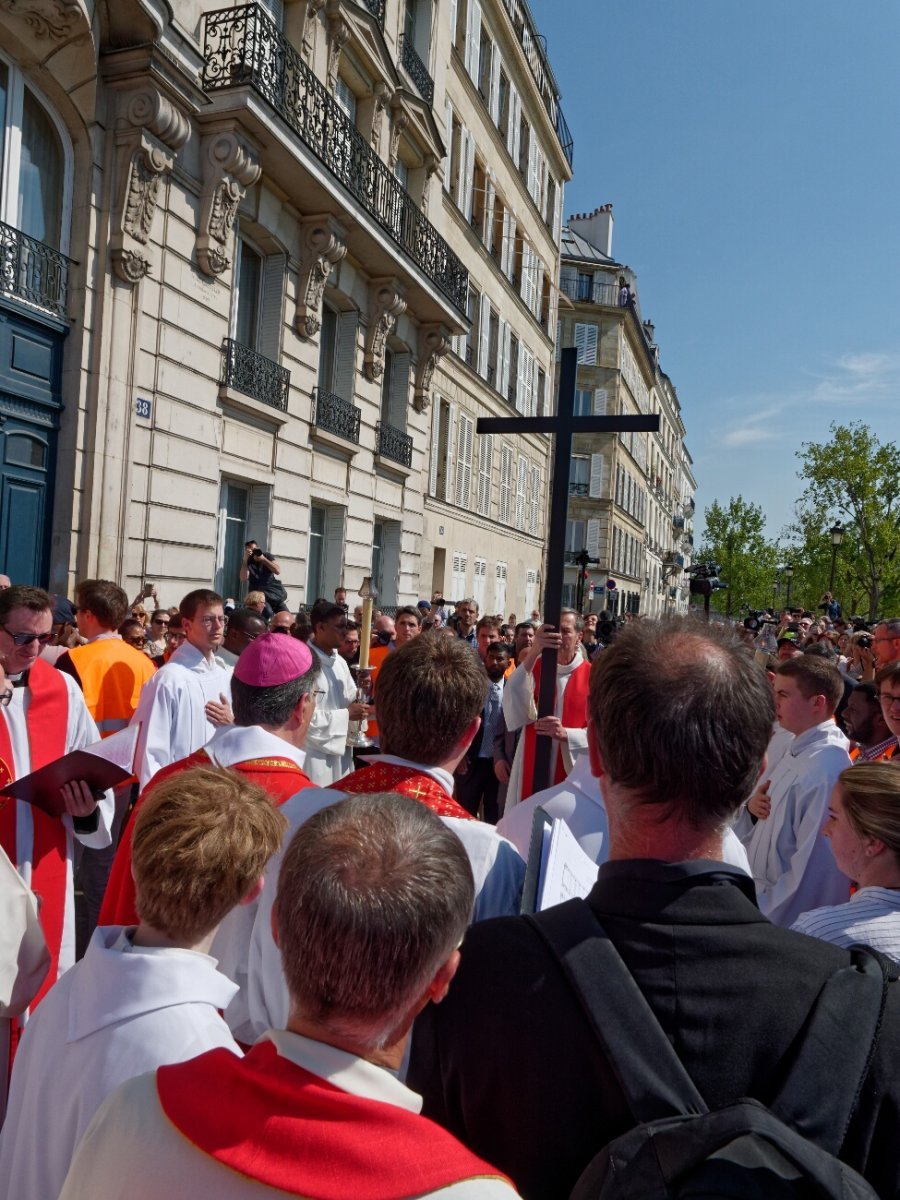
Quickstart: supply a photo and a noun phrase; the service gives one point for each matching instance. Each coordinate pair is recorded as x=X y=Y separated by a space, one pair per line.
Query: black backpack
x=745 y=1151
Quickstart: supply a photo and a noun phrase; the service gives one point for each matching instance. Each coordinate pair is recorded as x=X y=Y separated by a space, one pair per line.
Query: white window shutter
x=334 y=548
x=557 y=215
x=526 y=382
x=592 y=541
x=460 y=196
x=453 y=22
x=599 y=402
x=494 y=94
x=485 y=470
x=506 y=468
x=484 y=335
x=580 y=340
x=521 y=479
x=345 y=356
x=271 y=302
x=448 y=460
x=490 y=201
x=558 y=346
x=535 y=388
x=539 y=289
x=503 y=365
x=512 y=127
x=435 y=444
x=598 y=466
x=534 y=527
x=591 y=346
x=517 y=129
x=464 y=460
x=470 y=178
x=506 y=247
x=448 y=169
x=258 y=514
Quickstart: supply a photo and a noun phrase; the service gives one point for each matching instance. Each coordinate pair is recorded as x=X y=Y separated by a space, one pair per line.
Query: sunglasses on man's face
x=25 y=639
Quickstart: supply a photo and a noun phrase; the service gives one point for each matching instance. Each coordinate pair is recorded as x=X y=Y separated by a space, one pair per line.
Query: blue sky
x=750 y=151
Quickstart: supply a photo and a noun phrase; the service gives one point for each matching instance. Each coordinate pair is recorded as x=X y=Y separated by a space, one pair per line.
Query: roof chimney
x=595 y=227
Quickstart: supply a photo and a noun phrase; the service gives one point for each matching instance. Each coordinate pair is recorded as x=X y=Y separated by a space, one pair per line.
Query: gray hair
x=271 y=705
x=374 y=894
x=892 y=625
x=571 y=612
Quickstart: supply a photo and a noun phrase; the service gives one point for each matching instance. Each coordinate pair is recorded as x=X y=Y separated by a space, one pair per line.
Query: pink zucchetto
x=273 y=659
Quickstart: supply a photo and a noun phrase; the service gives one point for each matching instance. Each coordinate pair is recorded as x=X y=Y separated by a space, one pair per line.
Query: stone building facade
x=235 y=255
x=631 y=495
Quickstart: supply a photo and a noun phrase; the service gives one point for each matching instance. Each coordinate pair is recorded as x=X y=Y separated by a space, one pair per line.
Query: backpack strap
x=840 y=1034
x=650 y=1074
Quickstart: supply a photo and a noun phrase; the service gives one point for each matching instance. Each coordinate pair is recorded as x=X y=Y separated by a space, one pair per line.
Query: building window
x=500 y=588
x=506 y=482
x=325 y=551
x=346 y=99
x=243 y=514
x=465 y=431
x=485 y=473
x=479 y=582
x=583 y=403
x=579 y=476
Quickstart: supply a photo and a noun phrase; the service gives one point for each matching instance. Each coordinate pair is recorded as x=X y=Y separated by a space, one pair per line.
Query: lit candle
x=365 y=634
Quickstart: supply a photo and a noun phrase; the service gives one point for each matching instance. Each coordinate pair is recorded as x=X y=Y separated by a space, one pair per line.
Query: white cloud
x=747 y=435
x=858 y=380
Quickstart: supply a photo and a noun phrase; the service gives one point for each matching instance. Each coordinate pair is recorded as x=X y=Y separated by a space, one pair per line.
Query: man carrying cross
x=549 y=723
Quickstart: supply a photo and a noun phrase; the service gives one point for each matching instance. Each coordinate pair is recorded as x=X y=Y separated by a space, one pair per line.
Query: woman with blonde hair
x=863 y=828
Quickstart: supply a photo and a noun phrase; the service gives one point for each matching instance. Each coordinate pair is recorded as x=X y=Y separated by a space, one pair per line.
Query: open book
x=557 y=867
x=101 y=765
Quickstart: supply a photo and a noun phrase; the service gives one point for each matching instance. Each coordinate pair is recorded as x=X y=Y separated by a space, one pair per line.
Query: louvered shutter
x=535 y=503
x=435 y=445
x=592 y=541
x=271 y=302
x=506 y=466
x=599 y=402
x=513 y=108
x=521 y=484
x=504 y=354
x=448 y=169
x=460 y=196
x=598 y=476
x=333 y=548
x=399 y=394
x=485 y=469
x=390 y=562
x=258 y=514
x=473 y=39
x=345 y=356
x=506 y=246
x=490 y=201
x=463 y=461
x=484 y=335
x=494 y=94
x=448 y=455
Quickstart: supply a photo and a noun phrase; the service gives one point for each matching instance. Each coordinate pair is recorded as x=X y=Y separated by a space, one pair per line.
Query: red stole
x=46 y=720
x=270 y=1120
x=280 y=777
x=391 y=777
x=574 y=716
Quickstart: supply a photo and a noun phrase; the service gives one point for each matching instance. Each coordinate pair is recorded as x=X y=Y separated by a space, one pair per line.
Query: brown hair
x=200 y=598
x=106 y=600
x=428 y=693
x=815 y=676
x=682 y=717
x=20 y=595
x=202 y=839
x=871 y=798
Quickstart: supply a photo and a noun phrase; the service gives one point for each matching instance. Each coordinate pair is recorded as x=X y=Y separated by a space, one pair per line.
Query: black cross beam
x=563 y=425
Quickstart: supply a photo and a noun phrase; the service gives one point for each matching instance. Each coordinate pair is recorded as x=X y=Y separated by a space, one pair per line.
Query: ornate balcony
x=336 y=415
x=534 y=45
x=376 y=8
x=33 y=272
x=243 y=47
x=254 y=375
x=394 y=444
x=416 y=69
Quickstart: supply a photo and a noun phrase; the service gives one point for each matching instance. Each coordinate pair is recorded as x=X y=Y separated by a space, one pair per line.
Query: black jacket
x=509 y=1064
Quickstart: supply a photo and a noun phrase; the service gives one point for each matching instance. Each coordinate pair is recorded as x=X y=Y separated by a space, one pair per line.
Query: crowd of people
x=280 y=977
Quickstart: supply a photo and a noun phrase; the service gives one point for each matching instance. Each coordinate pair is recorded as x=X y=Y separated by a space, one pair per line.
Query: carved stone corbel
x=323 y=245
x=387 y=301
x=398 y=124
x=434 y=340
x=381 y=100
x=431 y=166
x=229 y=168
x=152 y=133
x=50 y=19
x=338 y=36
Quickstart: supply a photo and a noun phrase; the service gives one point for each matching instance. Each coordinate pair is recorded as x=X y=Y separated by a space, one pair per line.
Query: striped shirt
x=871 y=917
x=885 y=749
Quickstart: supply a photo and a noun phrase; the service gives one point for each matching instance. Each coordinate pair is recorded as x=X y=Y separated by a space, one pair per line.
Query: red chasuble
x=280 y=777
x=46 y=719
x=270 y=1120
x=391 y=777
x=574 y=716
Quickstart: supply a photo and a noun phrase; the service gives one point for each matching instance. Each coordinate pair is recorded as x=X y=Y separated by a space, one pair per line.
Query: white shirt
x=519 y=709
x=122 y=1010
x=133 y=1152
x=578 y=801
x=871 y=917
x=328 y=757
x=791 y=863
x=498 y=871
x=171 y=710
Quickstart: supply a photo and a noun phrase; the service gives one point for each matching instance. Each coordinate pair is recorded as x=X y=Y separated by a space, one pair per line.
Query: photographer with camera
x=262 y=571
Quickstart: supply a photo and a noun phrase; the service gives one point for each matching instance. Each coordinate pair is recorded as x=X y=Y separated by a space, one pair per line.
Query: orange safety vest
x=889 y=753
x=112 y=674
x=377 y=655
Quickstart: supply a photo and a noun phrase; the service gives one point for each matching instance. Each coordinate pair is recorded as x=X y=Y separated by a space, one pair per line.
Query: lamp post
x=789 y=575
x=582 y=558
x=837 y=536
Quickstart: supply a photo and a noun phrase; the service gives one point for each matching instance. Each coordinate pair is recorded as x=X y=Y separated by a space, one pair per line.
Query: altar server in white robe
x=781 y=823
x=142 y=996
x=328 y=758
x=182 y=705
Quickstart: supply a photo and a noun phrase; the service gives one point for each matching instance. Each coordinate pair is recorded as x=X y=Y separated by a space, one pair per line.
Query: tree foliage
x=855 y=479
x=734 y=538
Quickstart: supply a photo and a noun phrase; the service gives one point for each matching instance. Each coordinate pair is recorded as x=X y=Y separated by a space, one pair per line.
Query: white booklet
x=119 y=748
x=558 y=869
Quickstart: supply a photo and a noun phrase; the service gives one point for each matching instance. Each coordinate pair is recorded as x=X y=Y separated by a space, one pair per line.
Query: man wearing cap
x=789 y=643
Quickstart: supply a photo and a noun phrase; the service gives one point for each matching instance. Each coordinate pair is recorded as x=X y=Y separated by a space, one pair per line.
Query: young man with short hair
x=327 y=754
x=181 y=705
x=782 y=822
x=146 y=995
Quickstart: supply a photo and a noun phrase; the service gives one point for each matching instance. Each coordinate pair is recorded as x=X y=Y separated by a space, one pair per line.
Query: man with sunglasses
x=328 y=757
x=42 y=717
x=186 y=699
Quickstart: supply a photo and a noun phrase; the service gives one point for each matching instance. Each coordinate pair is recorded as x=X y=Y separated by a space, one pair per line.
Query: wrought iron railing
x=254 y=375
x=376 y=8
x=394 y=444
x=244 y=47
x=33 y=271
x=534 y=46
x=579 y=489
x=416 y=69
x=589 y=292
x=336 y=415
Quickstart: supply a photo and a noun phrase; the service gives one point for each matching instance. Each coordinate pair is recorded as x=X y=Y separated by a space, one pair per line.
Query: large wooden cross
x=563 y=425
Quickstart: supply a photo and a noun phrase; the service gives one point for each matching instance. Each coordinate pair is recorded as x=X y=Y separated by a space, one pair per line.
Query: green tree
x=855 y=478
x=733 y=538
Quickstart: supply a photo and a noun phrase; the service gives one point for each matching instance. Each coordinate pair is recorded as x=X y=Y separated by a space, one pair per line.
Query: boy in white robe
x=143 y=996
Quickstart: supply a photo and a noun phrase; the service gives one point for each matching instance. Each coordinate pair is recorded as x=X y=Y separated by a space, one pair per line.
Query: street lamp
x=582 y=558
x=789 y=575
x=837 y=536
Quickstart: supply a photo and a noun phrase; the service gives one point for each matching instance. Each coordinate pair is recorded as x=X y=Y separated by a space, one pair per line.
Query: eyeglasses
x=886 y=699
x=176 y=635
x=210 y=621
x=5 y=697
x=25 y=639
x=319 y=695
x=160 y=621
